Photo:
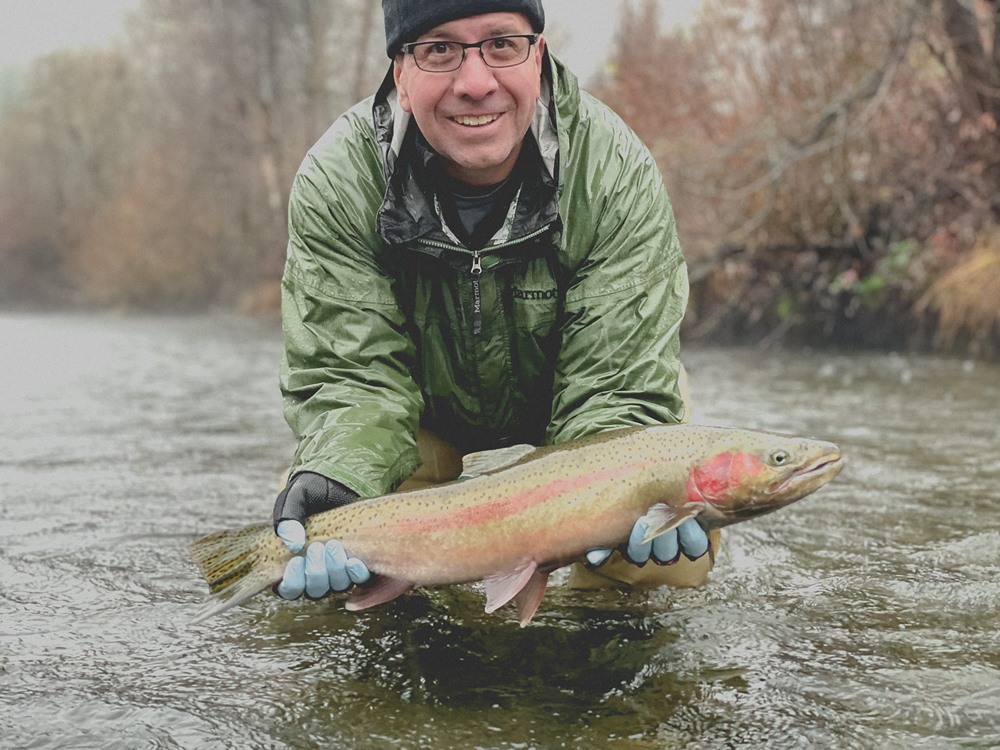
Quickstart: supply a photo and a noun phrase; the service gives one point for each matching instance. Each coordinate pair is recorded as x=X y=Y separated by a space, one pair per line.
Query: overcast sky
x=580 y=29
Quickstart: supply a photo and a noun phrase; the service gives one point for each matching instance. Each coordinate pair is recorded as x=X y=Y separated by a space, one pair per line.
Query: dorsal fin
x=483 y=462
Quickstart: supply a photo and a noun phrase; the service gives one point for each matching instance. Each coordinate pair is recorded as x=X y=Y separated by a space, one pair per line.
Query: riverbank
x=822 y=297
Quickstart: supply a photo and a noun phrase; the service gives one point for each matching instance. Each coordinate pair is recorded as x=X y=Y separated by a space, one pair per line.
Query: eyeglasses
x=497 y=52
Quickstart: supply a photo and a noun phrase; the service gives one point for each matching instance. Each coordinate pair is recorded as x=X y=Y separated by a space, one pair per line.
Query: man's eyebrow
x=437 y=33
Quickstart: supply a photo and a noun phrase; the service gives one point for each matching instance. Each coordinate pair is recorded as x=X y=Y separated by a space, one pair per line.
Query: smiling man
x=479 y=255
x=476 y=121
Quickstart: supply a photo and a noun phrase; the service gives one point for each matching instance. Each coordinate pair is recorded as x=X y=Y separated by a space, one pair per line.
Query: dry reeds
x=965 y=302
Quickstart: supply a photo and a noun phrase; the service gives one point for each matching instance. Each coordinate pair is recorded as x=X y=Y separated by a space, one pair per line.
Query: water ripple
x=862 y=617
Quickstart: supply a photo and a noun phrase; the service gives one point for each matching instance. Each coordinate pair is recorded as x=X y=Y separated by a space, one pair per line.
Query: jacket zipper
x=477 y=298
x=476 y=270
x=490 y=249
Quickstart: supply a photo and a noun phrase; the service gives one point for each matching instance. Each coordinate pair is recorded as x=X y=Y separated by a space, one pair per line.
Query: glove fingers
x=636 y=550
x=317 y=578
x=336 y=561
x=693 y=539
x=293 y=582
x=293 y=534
x=357 y=571
x=598 y=556
x=666 y=548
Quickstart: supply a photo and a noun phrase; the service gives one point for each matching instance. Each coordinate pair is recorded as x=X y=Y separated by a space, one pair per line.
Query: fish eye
x=780 y=458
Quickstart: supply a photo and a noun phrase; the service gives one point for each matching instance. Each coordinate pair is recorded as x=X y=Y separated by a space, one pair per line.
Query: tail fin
x=237 y=564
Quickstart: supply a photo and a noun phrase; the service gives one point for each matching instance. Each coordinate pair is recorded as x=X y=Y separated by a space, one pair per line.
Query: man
x=480 y=255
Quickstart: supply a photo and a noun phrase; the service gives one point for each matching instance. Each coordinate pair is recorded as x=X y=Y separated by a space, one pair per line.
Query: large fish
x=521 y=512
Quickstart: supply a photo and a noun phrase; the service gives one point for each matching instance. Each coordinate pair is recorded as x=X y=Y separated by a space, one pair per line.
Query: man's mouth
x=475 y=121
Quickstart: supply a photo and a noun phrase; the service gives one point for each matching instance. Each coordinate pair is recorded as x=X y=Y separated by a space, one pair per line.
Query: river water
x=867 y=616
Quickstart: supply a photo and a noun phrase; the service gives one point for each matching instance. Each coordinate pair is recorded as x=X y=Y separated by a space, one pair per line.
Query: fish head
x=748 y=474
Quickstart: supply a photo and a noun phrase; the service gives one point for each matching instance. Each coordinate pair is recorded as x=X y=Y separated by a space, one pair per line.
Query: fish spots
x=474 y=512
x=713 y=479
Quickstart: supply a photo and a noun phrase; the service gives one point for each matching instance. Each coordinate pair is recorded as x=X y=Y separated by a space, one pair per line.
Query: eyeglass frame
x=407 y=49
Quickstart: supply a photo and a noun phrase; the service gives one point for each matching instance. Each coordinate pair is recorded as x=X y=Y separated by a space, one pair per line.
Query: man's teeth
x=474 y=119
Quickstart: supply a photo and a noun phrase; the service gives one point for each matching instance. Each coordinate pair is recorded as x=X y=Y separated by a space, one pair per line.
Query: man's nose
x=475 y=78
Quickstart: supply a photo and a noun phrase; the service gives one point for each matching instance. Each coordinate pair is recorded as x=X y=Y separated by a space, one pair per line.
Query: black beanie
x=405 y=20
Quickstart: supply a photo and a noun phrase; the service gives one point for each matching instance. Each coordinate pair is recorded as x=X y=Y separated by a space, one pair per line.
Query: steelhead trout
x=519 y=513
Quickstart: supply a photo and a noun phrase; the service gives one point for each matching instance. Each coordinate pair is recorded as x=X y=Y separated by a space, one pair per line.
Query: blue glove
x=324 y=568
x=689 y=538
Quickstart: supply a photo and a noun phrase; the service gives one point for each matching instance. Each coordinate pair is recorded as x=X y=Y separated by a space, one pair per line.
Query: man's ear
x=397 y=77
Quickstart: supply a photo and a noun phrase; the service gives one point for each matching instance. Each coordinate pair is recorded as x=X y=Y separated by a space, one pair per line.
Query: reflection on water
x=863 y=617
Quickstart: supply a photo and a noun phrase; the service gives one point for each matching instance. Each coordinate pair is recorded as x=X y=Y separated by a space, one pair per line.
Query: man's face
x=474 y=117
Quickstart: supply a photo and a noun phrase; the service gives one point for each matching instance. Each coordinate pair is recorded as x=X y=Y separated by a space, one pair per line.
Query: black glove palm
x=308 y=493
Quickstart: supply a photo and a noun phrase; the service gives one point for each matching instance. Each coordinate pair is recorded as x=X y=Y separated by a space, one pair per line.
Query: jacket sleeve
x=345 y=376
x=619 y=359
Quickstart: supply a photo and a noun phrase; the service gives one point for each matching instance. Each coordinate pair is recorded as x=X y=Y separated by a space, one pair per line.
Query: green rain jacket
x=566 y=324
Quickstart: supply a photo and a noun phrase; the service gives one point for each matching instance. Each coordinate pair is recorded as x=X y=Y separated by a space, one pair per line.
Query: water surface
x=866 y=616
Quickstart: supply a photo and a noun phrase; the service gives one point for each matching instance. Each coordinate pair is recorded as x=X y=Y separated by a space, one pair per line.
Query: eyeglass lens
x=500 y=52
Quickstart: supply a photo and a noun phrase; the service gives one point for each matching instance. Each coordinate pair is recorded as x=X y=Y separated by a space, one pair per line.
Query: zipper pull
x=477 y=264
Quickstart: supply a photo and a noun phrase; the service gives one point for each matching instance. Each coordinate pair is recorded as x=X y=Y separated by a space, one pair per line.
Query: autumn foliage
x=833 y=163
x=156 y=175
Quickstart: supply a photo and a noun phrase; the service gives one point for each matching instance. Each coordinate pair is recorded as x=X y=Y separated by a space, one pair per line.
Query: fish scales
x=479 y=526
x=526 y=511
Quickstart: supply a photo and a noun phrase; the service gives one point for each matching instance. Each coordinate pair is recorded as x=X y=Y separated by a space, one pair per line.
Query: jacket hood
x=408 y=211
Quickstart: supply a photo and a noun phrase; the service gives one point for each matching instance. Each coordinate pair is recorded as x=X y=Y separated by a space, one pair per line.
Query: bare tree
x=827 y=158
x=159 y=173
x=972 y=28
x=65 y=151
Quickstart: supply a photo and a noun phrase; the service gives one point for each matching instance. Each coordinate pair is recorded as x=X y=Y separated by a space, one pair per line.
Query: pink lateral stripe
x=505 y=507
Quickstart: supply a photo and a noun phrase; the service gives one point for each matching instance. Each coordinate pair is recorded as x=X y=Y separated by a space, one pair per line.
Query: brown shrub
x=964 y=303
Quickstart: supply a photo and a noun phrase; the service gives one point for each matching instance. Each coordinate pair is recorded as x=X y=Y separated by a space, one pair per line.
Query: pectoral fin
x=502 y=587
x=661 y=518
x=383 y=589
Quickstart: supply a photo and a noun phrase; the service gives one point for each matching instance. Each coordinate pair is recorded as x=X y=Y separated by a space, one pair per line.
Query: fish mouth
x=750 y=511
x=810 y=478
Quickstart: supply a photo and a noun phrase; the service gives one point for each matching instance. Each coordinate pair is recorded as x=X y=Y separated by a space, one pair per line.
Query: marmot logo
x=535 y=294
